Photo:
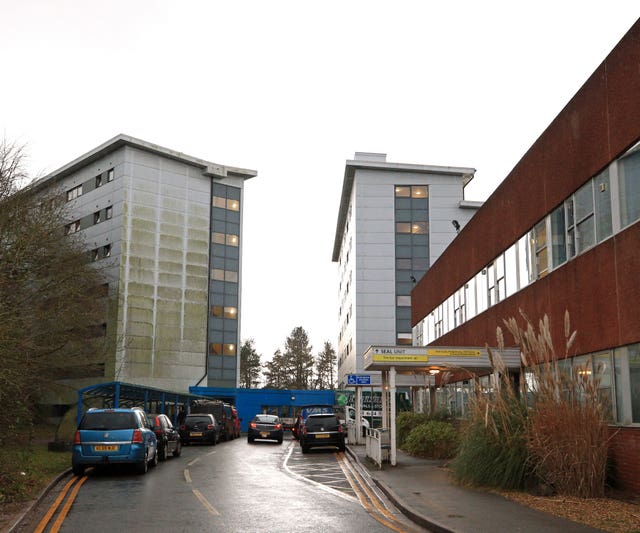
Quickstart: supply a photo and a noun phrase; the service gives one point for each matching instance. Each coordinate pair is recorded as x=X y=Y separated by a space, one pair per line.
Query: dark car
x=322 y=430
x=265 y=427
x=168 y=436
x=202 y=427
x=114 y=436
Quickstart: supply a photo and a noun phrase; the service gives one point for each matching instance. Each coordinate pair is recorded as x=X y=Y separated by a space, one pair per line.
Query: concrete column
x=385 y=399
x=358 y=415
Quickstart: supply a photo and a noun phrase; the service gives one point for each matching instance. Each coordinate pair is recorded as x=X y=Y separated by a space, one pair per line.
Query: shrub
x=433 y=439
x=405 y=422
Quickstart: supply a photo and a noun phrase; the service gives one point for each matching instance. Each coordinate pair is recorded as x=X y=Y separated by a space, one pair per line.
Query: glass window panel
x=403 y=300
x=420 y=264
x=404 y=287
x=634 y=382
x=604 y=226
x=525 y=261
x=420 y=239
x=511 y=271
x=470 y=298
x=583 y=199
x=403 y=192
x=232 y=240
x=419 y=227
x=217 y=262
x=218 y=238
x=217 y=310
x=403 y=238
x=585 y=234
x=420 y=251
x=215 y=348
x=217 y=274
x=230 y=275
x=403 y=215
x=233 y=252
x=233 y=216
x=229 y=349
x=558 y=237
x=403 y=203
x=233 y=205
x=219 y=214
x=481 y=292
x=404 y=314
x=233 y=192
x=403 y=227
x=420 y=214
x=629 y=184
x=230 y=312
x=419 y=191
x=403 y=251
x=232 y=264
x=219 y=202
x=403 y=264
x=419 y=204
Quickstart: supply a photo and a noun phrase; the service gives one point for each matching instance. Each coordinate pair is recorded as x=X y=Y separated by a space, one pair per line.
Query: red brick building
x=560 y=233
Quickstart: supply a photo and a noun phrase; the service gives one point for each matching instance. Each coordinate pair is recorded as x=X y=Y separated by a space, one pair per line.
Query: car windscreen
x=108 y=420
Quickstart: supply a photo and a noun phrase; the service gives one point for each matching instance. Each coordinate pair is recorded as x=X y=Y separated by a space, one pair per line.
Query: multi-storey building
x=562 y=232
x=395 y=219
x=167 y=228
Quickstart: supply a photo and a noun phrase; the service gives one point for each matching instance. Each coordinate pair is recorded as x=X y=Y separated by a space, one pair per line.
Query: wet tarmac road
x=231 y=487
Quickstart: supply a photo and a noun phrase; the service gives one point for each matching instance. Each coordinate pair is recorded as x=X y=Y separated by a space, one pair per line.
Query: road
x=232 y=487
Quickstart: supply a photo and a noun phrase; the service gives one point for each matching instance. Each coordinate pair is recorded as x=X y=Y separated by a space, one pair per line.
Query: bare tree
x=52 y=309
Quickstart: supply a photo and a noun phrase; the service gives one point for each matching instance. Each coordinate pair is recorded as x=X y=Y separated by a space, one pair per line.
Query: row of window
x=99 y=180
x=616 y=373
x=602 y=206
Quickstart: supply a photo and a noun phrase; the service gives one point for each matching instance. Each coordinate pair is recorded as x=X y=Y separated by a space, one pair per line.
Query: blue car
x=114 y=436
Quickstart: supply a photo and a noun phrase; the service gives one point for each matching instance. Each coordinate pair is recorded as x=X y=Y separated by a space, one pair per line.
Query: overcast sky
x=293 y=89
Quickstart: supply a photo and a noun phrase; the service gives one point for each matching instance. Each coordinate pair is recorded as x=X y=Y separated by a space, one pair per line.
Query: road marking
x=187 y=476
x=191 y=463
x=206 y=504
x=45 y=519
x=313 y=482
x=65 y=510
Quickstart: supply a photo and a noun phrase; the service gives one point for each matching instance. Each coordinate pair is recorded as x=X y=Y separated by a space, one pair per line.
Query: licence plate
x=264 y=434
x=322 y=435
x=195 y=434
x=109 y=448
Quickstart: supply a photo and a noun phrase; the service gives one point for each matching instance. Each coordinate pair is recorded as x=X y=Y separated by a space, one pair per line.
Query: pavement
x=424 y=492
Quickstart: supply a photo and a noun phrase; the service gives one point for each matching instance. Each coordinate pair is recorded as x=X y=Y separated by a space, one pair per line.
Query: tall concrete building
x=167 y=228
x=395 y=220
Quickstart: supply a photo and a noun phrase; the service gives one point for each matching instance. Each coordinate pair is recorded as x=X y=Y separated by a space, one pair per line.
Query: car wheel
x=164 y=451
x=178 y=450
x=154 y=461
x=78 y=470
x=214 y=440
x=143 y=466
x=280 y=440
x=250 y=440
x=342 y=448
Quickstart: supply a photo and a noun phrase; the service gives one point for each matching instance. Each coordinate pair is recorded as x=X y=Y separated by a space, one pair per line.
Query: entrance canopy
x=435 y=359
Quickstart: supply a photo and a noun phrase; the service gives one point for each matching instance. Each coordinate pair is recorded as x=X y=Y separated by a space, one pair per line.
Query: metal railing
x=377 y=445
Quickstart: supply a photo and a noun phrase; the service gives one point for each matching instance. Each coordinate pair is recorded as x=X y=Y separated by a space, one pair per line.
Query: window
x=72 y=194
x=403 y=192
x=540 y=248
x=97 y=217
x=403 y=301
x=404 y=339
x=95 y=254
x=602 y=193
x=106 y=250
x=232 y=240
x=558 y=237
x=98 y=180
x=108 y=213
x=629 y=183
x=585 y=233
x=72 y=228
x=110 y=175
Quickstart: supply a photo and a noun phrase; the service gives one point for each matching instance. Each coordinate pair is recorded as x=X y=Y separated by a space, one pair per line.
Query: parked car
x=113 y=436
x=201 y=427
x=322 y=430
x=305 y=411
x=265 y=427
x=168 y=436
x=222 y=413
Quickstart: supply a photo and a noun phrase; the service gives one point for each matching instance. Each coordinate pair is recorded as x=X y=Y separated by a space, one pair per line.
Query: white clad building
x=394 y=221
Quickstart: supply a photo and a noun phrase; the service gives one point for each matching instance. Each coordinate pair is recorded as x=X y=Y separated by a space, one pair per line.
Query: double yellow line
x=368 y=499
x=65 y=508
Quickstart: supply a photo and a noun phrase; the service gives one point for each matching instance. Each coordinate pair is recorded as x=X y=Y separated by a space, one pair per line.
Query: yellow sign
x=452 y=352
x=399 y=358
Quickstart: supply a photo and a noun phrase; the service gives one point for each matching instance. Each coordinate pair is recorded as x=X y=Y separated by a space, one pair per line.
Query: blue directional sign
x=358 y=379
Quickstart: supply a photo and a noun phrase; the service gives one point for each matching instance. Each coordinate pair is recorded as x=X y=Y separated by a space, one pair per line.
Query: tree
x=325 y=367
x=250 y=365
x=298 y=359
x=52 y=312
x=275 y=373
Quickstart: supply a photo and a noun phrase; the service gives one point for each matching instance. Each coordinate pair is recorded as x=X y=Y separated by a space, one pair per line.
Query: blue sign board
x=358 y=379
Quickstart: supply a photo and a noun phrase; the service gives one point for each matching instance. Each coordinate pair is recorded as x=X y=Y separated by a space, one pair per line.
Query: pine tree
x=250 y=365
x=325 y=367
x=298 y=360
